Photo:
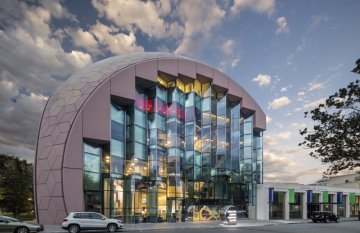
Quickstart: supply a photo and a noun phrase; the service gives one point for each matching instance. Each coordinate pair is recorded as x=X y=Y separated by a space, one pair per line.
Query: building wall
x=80 y=110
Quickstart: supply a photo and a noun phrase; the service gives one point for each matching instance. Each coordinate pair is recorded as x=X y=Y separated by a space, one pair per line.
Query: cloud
x=285 y=135
x=260 y=6
x=301 y=93
x=115 y=41
x=283 y=89
x=228 y=47
x=34 y=65
x=84 y=39
x=315 y=86
x=282 y=26
x=262 y=80
x=268 y=119
x=314 y=104
x=297 y=109
x=279 y=102
x=298 y=125
x=139 y=15
x=235 y=62
x=198 y=24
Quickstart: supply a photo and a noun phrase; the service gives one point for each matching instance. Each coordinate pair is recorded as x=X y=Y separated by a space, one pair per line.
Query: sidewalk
x=211 y=224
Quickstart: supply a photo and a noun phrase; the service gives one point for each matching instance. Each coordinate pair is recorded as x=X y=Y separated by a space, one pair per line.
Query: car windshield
x=12 y=219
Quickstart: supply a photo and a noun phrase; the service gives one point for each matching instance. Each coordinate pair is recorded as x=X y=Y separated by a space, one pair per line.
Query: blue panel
x=271 y=195
x=339 y=198
x=309 y=196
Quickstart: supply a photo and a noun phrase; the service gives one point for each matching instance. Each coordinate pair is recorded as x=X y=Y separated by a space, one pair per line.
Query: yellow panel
x=162 y=81
x=188 y=87
x=197 y=87
x=180 y=84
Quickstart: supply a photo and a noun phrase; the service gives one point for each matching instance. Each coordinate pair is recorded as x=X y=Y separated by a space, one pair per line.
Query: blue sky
x=290 y=55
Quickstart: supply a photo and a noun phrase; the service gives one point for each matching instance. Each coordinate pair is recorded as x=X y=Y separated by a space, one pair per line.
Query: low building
x=297 y=201
x=345 y=181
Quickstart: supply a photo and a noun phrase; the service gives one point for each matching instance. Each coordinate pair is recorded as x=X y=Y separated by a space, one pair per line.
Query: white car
x=78 y=221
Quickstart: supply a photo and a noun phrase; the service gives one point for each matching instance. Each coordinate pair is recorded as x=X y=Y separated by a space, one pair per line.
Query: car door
x=4 y=225
x=85 y=221
x=98 y=220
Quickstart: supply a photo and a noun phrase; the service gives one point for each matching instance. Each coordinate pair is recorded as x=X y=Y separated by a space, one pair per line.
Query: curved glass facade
x=180 y=152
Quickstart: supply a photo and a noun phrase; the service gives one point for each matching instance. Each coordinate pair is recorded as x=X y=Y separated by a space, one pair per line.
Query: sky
x=290 y=55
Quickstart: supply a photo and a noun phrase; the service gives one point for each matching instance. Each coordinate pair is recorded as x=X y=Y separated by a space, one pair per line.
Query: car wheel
x=112 y=227
x=326 y=220
x=22 y=230
x=74 y=228
x=314 y=221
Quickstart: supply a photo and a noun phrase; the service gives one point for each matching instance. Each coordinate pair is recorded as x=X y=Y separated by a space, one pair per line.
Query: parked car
x=13 y=225
x=78 y=221
x=324 y=216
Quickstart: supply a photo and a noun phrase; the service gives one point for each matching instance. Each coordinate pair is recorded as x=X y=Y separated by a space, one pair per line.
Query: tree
x=16 y=187
x=335 y=137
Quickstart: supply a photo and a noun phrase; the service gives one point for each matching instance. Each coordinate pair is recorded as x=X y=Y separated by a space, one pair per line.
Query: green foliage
x=335 y=138
x=16 y=185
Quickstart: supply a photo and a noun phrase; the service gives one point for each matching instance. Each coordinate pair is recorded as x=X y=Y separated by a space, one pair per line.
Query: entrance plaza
x=289 y=201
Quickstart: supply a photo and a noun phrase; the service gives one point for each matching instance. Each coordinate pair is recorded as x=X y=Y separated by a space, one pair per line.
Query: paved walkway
x=212 y=224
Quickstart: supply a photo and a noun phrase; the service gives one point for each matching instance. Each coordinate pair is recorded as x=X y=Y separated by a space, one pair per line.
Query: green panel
x=325 y=196
x=352 y=198
x=291 y=196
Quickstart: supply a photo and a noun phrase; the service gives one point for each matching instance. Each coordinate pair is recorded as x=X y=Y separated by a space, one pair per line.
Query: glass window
x=117 y=131
x=91 y=163
x=91 y=181
x=117 y=114
x=117 y=148
x=117 y=165
x=140 y=118
x=96 y=216
x=92 y=149
x=140 y=134
x=140 y=151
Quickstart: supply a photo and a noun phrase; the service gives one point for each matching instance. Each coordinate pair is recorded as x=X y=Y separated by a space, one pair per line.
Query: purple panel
x=73 y=189
x=235 y=89
x=220 y=79
x=123 y=83
x=147 y=70
x=73 y=156
x=169 y=66
x=45 y=217
x=96 y=120
x=187 y=68
x=204 y=70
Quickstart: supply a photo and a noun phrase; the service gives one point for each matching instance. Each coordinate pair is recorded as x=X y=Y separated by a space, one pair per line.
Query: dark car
x=324 y=216
x=12 y=225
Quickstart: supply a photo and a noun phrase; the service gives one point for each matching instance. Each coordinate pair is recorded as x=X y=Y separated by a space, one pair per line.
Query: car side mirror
x=103 y=218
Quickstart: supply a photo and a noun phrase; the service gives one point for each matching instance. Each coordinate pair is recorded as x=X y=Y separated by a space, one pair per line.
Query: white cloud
x=198 y=24
x=260 y=6
x=301 y=93
x=235 y=62
x=34 y=65
x=297 y=109
x=315 y=86
x=228 y=47
x=279 y=125
x=282 y=25
x=133 y=15
x=314 y=104
x=279 y=102
x=268 y=119
x=285 y=135
x=262 y=80
x=84 y=39
x=298 y=125
x=115 y=41
x=283 y=89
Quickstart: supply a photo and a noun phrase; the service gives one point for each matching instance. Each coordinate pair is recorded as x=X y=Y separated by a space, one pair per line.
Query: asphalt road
x=342 y=227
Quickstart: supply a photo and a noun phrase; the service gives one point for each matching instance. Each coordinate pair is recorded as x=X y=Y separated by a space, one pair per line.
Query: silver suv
x=78 y=221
